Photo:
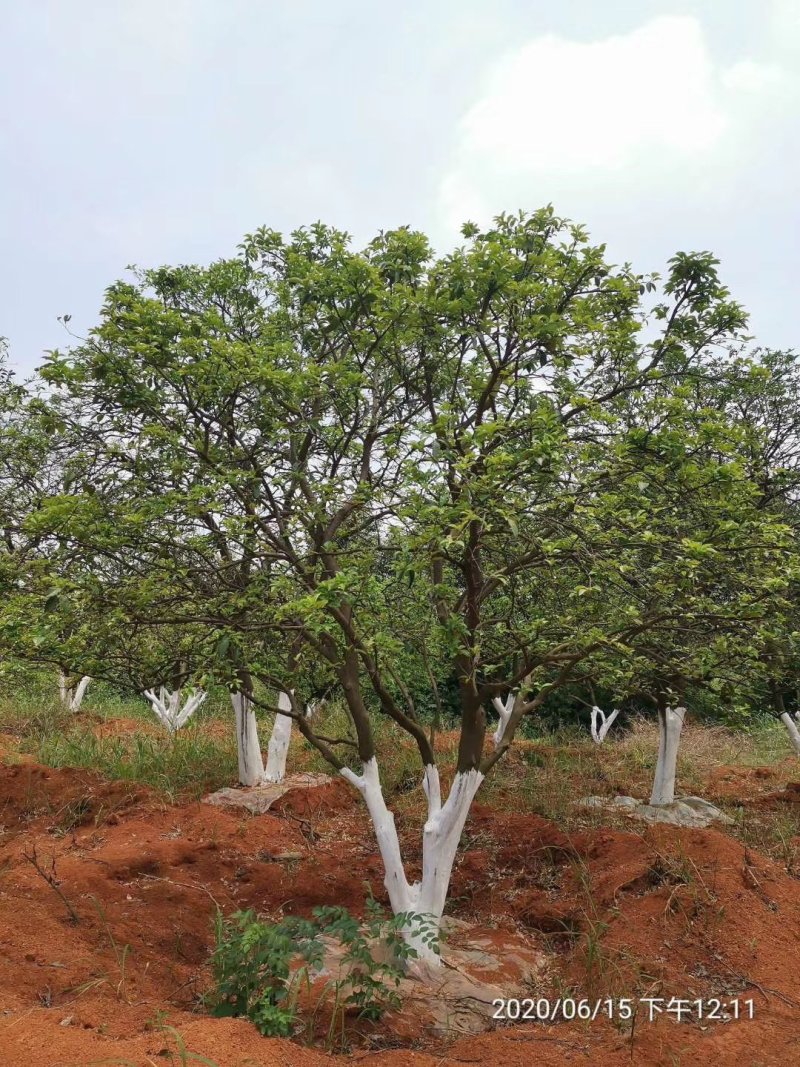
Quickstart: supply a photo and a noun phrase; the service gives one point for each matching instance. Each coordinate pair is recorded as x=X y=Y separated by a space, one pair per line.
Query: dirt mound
x=663 y=912
x=743 y=785
x=790 y=794
x=334 y=796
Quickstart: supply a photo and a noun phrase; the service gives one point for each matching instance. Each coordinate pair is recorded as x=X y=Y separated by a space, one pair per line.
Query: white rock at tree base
x=260 y=798
x=683 y=811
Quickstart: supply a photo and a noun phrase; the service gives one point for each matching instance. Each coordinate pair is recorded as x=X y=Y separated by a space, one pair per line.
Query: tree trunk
x=503 y=709
x=72 y=697
x=599 y=732
x=251 y=766
x=670 y=724
x=440 y=837
x=167 y=706
x=792 y=731
x=279 y=742
x=280 y=738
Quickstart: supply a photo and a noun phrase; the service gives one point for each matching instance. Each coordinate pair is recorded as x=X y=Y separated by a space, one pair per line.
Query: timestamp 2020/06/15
x=564 y=1009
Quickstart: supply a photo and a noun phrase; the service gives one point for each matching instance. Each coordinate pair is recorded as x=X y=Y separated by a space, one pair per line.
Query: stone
x=260 y=798
x=683 y=811
x=479 y=966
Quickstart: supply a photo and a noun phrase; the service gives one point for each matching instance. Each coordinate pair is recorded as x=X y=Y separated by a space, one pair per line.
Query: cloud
x=648 y=120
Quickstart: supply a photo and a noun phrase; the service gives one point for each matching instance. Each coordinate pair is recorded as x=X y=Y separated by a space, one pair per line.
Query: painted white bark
x=167 y=706
x=278 y=747
x=503 y=709
x=72 y=698
x=440 y=837
x=80 y=691
x=792 y=731
x=251 y=766
x=599 y=731
x=670 y=724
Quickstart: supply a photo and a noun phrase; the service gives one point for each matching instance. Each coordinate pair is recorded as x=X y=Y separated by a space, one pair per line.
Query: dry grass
x=544 y=775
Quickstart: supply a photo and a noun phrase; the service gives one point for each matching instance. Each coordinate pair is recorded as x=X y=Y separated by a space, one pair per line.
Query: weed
x=52 y=879
x=121 y=954
x=71 y=816
x=252 y=964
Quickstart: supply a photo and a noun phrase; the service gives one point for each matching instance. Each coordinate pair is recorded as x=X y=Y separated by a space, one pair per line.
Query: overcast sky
x=161 y=131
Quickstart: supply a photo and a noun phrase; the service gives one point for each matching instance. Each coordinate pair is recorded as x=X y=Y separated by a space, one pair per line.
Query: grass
x=543 y=774
x=197 y=761
x=188 y=766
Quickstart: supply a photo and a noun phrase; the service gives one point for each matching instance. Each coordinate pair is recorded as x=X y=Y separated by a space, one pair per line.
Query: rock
x=479 y=966
x=260 y=798
x=706 y=808
x=684 y=811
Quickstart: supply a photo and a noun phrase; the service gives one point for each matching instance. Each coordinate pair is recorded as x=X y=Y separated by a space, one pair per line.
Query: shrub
x=252 y=963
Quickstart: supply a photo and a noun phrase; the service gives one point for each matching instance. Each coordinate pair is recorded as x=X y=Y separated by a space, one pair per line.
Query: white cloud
x=641 y=119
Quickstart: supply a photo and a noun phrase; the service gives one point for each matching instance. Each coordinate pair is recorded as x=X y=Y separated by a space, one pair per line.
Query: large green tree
x=361 y=427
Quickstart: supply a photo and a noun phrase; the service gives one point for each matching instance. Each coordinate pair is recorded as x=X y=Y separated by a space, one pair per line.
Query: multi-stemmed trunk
x=251 y=765
x=670 y=724
x=278 y=748
x=503 y=709
x=601 y=723
x=72 y=696
x=440 y=837
x=170 y=709
x=779 y=706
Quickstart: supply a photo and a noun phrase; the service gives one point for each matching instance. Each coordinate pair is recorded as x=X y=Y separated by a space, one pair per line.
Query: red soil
x=661 y=912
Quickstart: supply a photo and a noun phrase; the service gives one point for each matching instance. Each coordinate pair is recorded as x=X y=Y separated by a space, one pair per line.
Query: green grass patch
x=189 y=766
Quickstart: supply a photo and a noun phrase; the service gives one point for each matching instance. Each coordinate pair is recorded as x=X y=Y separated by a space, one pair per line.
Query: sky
x=161 y=131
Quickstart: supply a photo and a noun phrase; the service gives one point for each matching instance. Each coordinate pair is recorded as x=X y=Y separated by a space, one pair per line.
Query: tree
x=761 y=396
x=363 y=424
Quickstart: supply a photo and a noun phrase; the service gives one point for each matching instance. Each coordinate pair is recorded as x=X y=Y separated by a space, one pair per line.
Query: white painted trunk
x=440 y=837
x=167 y=706
x=79 y=693
x=792 y=731
x=670 y=724
x=279 y=742
x=251 y=766
x=503 y=709
x=601 y=723
x=72 y=697
x=278 y=748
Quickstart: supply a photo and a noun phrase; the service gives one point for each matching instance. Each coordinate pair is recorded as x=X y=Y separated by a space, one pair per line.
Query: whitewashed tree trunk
x=440 y=837
x=281 y=736
x=503 y=709
x=72 y=698
x=167 y=706
x=278 y=747
x=599 y=731
x=670 y=724
x=792 y=731
x=251 y=766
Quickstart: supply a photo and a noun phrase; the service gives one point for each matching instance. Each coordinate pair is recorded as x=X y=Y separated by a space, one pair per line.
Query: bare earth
x=625 y=911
